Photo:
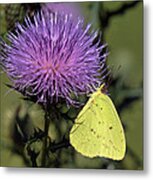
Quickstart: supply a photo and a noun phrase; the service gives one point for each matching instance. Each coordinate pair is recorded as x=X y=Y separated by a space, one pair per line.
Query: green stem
x=45 y=149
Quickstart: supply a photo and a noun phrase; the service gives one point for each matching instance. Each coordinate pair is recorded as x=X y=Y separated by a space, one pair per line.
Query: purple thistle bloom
x=53 y=58
x=63 y=8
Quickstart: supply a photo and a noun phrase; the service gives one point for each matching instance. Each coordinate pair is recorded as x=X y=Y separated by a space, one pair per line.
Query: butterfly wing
x=97 y=130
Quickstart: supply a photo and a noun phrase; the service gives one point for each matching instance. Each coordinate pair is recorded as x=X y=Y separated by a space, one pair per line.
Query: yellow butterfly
x=97 y=130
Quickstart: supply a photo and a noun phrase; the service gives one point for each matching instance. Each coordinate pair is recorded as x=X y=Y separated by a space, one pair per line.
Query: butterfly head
x=103 y=88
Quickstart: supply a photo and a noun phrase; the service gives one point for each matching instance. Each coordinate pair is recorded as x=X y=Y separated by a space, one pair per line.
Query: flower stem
x=45 y=149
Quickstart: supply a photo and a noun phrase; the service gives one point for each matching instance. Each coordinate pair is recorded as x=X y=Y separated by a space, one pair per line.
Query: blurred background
x=21 y=121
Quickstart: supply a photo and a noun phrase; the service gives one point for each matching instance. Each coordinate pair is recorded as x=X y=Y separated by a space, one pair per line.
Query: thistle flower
x=52 y=57
x=63 y=8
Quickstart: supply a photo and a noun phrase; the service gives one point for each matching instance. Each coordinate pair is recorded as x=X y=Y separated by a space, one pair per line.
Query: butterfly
x=97 y=130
